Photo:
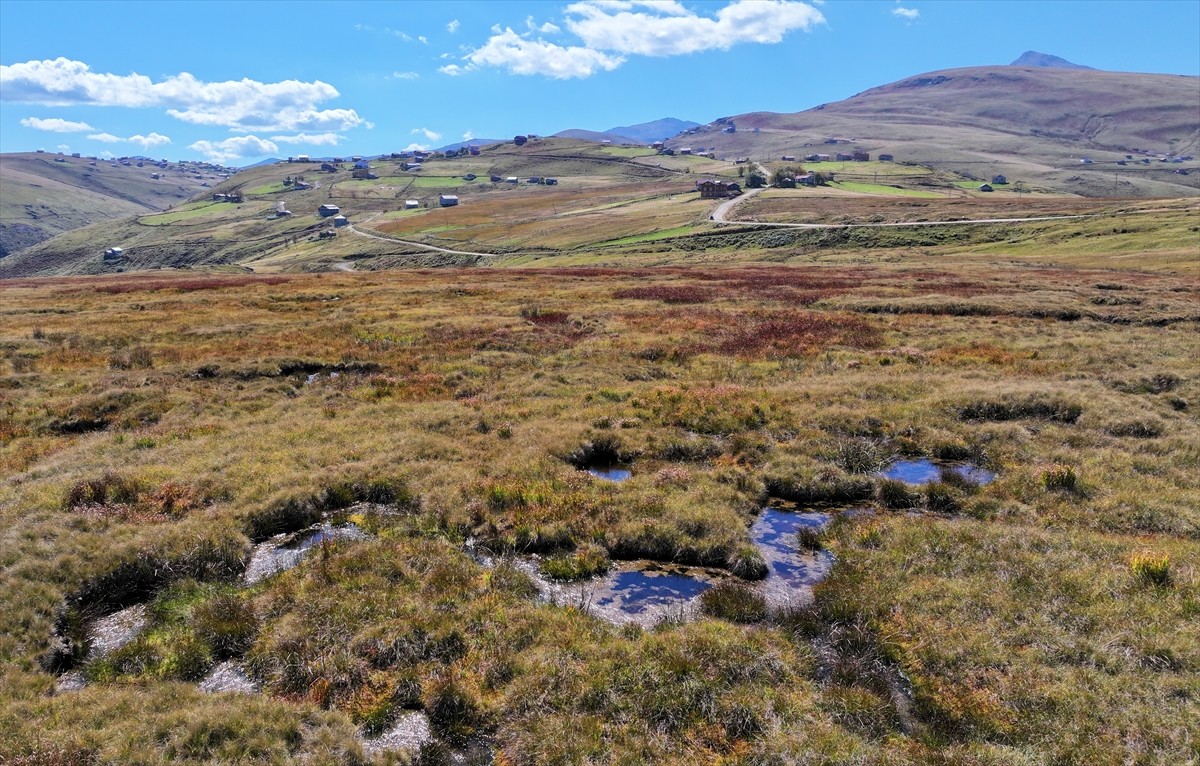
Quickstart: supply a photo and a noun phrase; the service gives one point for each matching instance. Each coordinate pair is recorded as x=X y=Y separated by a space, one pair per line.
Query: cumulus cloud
x=612 y=30
x=146 y=142
x=423 y=39
x=671 y=29
x=906 y=13
x=312 y=139
x=64 y=147
x=150 y=141
x=453 y=26
x=405 y=75
x=468 y=135
x=520 y=55
x=241 y=105
x=235 y=148
x=415 y=147
x=55 y=125
x=431 y=135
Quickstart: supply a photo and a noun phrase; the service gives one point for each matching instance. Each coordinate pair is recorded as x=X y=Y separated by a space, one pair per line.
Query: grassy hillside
x=42 y=194
x=1031 y=124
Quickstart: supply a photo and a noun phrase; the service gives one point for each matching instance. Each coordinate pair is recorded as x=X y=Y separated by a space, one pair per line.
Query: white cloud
x=673 y=30
x=468 y=135
x=519 y=55
x=405 y=75
x=242 y=105
x=906 y=13
x=235 y=148
x=55 y=125
x=611 y=30
x=312 y=139
x=415 y=147
x=146 y=142
x=64 y=147
x=106 y=154
x=453 y=26
x=431 y=135
x=150 y=141
x=423 y=39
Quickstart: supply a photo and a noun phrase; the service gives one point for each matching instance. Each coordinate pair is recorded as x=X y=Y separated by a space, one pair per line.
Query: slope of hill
x=1036 y=124
x=42 y=195
x=1033 y=58
x=658 y=130
x=595 y=197
x=596 y=136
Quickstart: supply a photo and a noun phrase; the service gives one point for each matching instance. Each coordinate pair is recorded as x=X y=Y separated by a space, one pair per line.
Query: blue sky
x=239 y=81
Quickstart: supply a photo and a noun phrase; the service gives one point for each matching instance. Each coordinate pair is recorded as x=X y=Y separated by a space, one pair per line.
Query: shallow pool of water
x=793 y=571
x=610 y=473
x=925 y=471
x=285 y=551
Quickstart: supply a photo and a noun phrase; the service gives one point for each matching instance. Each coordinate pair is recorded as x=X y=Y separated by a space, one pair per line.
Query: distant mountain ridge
x=1047 y=61
x=641 y=133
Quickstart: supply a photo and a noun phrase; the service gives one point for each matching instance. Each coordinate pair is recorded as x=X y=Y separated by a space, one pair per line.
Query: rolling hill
x=42 y=195
x=1033 y=123
x=641 y=133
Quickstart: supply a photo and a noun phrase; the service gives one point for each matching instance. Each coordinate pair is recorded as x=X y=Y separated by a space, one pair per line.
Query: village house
x=327 y=210
x=470 y=177
x=808 y=179
x=552 y=182
x=999 y=180
x=114 y=254
x=985 y=188
x=340 y=220
x=788 y=158
x=713 y=189
x=411 y=204
x=886 y=158
x=861 y=156
x=843 y=157
x=512 y=180
x=786 y=182
x=535 y=179
x=447 y=200
x=495 y=179
x=686 y=150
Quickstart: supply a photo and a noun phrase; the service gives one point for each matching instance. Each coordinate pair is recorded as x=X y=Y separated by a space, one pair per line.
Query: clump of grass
x=746 y=562
x=226 y=623
x=543 y=317
x=110 y=488
x=860 y=455
x=1139 y=428
x=1061 y=478
x=811 y=538
x=942 y=497
x=819 y=487
x=734 y=601
x=138 y=357
x=896 y=495
x=454 y=706
x=1151 y=569
x=1015 y=408
x=587 y=561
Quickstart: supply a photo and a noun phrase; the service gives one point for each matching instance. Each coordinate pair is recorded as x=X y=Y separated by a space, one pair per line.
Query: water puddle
x=793 y=570
x=285 y=551
x=111 y=632
x=409 y=732
x=228 y=676
x=632 y=593
x=925 y=471
x=610 y=472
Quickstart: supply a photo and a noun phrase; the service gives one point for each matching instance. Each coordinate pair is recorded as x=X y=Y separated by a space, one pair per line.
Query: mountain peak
x=1046 y=61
